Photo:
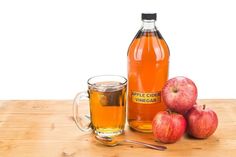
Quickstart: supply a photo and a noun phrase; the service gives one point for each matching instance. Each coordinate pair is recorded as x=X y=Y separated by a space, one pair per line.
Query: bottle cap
x=149 y=16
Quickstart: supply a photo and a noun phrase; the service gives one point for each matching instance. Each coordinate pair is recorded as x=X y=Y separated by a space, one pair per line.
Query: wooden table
x=46 y=129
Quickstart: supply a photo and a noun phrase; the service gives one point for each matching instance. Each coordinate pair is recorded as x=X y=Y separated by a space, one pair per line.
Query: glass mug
x=107 y=102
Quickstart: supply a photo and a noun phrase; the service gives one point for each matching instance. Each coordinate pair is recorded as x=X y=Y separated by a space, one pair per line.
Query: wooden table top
x=45 y=128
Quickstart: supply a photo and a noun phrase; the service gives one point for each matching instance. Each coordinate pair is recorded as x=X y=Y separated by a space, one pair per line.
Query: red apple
x=202 y=121
x=168 y=127
x=179 y=94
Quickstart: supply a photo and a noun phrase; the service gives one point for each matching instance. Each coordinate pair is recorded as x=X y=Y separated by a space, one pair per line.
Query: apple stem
x=175 y=90
x=169 y=111
x=204 y=106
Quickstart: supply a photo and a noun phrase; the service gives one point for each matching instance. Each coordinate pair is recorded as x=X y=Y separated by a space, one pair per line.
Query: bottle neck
x=148 y=25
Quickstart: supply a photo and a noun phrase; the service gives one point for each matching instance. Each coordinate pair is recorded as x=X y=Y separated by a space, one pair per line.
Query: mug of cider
x=107 y=103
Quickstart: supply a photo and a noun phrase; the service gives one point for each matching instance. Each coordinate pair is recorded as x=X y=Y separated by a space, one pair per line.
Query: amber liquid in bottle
x=148 y=60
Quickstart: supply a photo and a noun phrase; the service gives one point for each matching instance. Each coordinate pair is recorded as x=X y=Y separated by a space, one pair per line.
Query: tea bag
x=111 y=97
x=110 y=93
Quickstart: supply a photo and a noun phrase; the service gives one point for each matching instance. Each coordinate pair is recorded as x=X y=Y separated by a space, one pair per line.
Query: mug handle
x=78 y=118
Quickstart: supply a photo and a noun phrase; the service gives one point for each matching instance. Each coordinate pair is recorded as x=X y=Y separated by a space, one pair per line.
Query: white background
x=49 y=48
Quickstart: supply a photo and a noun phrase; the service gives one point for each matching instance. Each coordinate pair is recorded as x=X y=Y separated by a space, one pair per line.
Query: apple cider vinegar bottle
x=148 y=61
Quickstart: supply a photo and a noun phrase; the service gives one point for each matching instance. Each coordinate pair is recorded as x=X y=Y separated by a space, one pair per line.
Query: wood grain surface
x=46 y=129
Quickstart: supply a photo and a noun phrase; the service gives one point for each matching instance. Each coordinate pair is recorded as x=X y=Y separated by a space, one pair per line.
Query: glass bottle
x=148 y=62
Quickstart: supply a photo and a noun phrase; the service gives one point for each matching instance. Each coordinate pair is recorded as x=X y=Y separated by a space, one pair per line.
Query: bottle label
x=146 y=98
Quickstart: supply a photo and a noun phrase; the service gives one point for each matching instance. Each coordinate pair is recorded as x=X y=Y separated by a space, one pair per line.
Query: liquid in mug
x=148 y=62
x=108 y=107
